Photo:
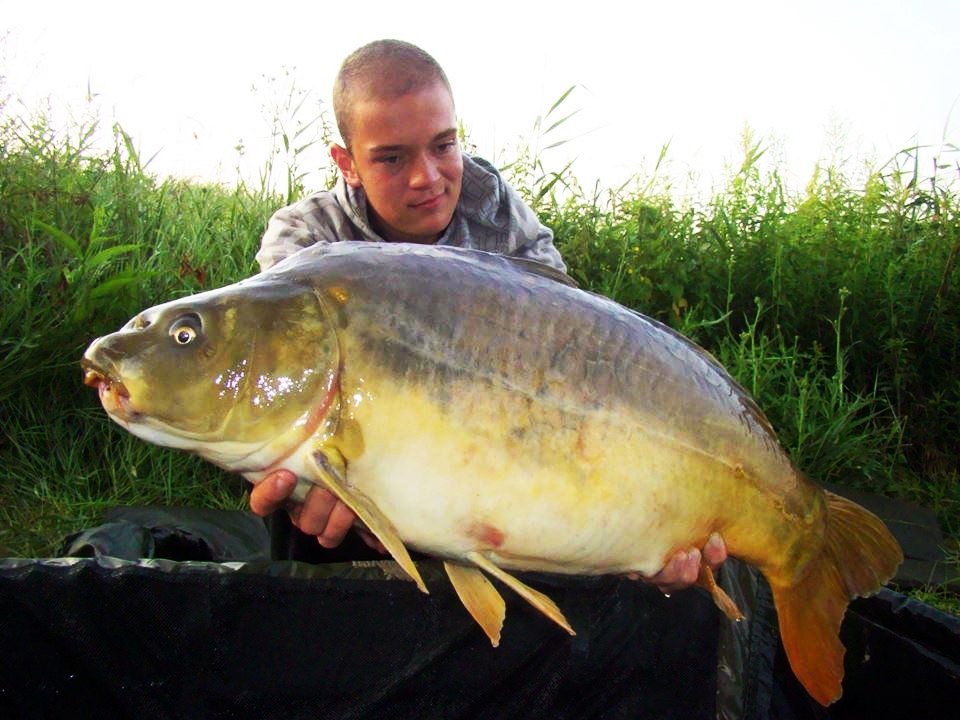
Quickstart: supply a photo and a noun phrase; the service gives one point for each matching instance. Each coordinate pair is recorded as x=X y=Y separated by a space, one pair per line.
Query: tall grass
x=837 y=308
x=86 y=241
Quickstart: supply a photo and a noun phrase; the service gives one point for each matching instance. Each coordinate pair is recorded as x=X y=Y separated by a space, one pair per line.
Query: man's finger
x=338 y=525
x=370 y=539
x=679 y=573
x=715 y=551
x=315 y=513
x=271 y=493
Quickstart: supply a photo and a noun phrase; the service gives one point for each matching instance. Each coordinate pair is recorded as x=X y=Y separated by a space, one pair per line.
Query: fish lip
x=113 y=394
x=97 y=377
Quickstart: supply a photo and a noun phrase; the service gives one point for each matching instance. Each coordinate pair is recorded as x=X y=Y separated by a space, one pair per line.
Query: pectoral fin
x=540 y=601
x=480 y=598
x=371 y=516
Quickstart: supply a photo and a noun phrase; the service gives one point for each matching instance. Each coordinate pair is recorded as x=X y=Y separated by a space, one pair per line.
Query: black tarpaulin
x=110 y=638
x=238 y=636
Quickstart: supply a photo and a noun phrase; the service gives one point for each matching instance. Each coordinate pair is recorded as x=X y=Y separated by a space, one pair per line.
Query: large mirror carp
x=481 y=410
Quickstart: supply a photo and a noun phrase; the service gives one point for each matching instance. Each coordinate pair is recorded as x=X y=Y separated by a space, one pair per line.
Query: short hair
x=382 y=69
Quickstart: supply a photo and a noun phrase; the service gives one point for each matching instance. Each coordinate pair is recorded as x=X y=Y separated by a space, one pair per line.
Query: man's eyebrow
x=451 y=133
x=386 y=148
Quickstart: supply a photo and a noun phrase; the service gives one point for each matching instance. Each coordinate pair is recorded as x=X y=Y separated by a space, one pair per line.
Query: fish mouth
x=114 y=395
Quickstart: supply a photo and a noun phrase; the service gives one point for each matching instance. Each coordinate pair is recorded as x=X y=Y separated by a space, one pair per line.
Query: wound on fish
x=487 y=534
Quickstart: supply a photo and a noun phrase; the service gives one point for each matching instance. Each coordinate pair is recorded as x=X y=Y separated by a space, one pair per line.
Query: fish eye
x=185 y=329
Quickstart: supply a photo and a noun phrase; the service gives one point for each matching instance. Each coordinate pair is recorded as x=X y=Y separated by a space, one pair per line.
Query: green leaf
x=557 y=176
x=560 y=121
x=97 y=238
x=68 y=243
x=111 y=286
x=107 y=254
x=560 y=100
x=130 y=147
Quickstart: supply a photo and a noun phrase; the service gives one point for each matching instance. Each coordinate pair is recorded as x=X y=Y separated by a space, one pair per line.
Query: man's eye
x=389 y=160
x=446 y=147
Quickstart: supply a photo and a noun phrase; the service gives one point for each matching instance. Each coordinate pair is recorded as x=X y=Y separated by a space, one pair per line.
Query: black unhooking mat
x=111 y=638
x=117 y=639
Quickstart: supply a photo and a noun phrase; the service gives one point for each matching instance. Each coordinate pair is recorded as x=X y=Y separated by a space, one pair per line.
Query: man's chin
x=428 y=232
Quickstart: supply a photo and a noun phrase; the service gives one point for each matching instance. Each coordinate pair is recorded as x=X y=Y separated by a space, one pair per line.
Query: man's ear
x=341 y=156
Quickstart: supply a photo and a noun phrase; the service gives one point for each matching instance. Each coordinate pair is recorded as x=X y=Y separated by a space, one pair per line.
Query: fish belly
x=597 y=498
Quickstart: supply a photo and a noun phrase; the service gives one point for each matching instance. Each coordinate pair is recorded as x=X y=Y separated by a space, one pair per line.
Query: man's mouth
x=429 y=204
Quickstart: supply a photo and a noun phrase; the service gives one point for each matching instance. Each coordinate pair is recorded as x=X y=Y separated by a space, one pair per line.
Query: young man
x=403 y=178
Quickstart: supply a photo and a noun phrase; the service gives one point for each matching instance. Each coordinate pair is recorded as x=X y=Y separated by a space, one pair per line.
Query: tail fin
x=859 y=555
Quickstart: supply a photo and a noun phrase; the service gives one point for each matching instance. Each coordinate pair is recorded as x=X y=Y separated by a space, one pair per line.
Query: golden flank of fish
x=483 y=411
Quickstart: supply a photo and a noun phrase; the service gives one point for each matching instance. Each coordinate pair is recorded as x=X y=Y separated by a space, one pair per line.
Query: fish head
x=238 y=375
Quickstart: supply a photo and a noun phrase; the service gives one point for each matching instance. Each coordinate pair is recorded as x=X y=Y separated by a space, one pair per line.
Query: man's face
x=404 y=153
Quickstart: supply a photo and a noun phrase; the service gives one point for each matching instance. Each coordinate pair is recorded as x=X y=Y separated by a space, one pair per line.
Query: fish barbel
x=481 y=410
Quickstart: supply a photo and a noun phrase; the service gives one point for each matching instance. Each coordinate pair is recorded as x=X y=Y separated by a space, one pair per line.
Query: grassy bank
x=837 y=308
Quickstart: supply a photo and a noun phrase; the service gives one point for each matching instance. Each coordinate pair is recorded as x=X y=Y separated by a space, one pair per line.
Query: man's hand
x=321 y=514
x=684 y=567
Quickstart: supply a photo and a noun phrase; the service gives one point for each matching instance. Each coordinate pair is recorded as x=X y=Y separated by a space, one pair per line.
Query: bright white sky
x=819 y=79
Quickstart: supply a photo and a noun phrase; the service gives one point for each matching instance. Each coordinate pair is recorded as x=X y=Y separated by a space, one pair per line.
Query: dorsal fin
x=543 y=270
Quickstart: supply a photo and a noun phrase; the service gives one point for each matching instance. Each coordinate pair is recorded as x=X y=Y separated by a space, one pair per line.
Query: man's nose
x=424 y=172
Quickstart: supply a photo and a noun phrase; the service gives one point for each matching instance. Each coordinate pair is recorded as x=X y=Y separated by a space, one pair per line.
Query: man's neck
x=391 y=235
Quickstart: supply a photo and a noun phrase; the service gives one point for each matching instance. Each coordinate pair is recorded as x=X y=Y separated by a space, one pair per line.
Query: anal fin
x=480 y=598
x=719 y=595
x=371 y=516
x=540 y=601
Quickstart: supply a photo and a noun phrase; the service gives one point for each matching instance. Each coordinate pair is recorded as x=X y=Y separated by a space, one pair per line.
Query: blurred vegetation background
x=837 y=307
